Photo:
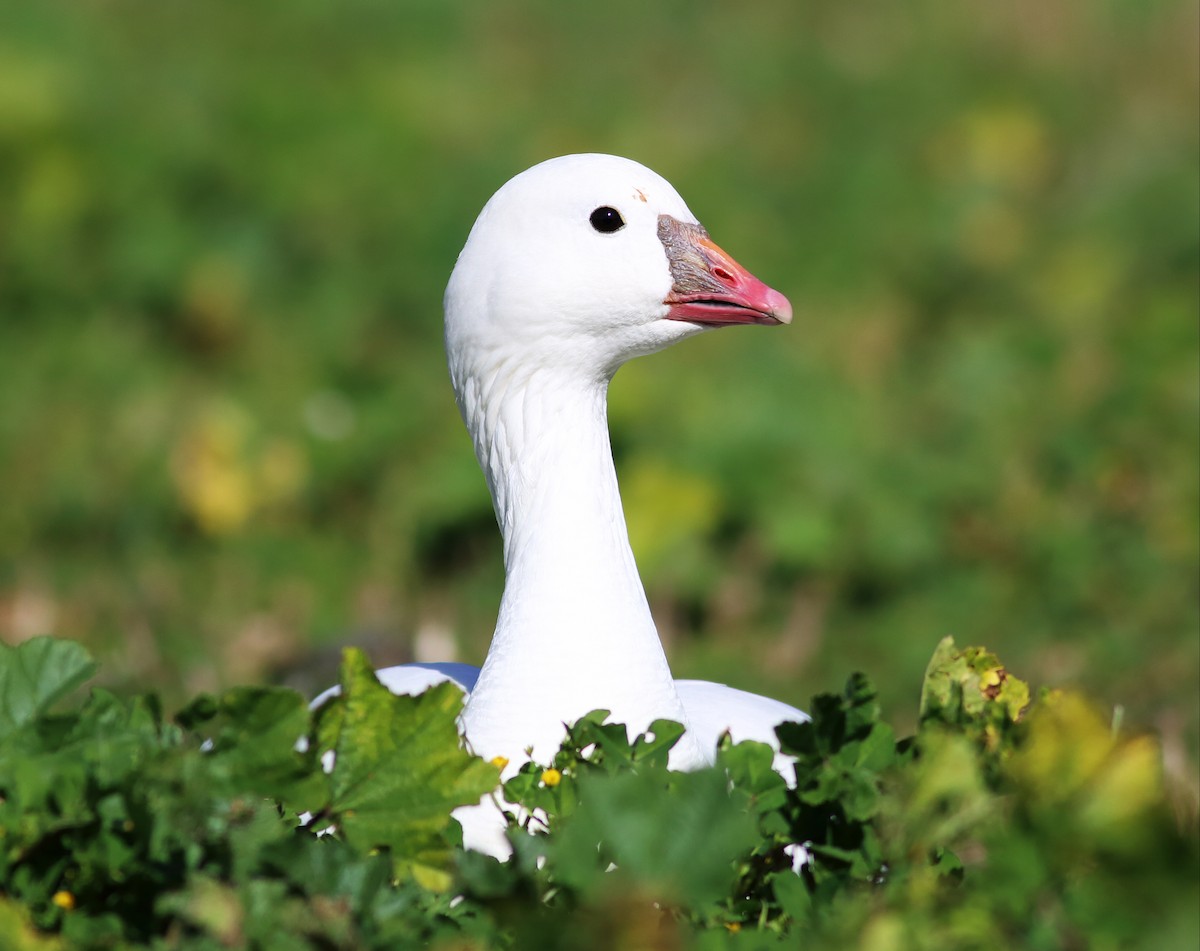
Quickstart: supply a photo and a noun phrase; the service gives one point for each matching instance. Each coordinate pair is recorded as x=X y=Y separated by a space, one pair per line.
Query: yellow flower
x=64 y=900
x=551 y=777
x=733 y=927
x=499 y=761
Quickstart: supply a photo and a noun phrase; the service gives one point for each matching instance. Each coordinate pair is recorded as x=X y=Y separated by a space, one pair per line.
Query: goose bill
x=709 y=287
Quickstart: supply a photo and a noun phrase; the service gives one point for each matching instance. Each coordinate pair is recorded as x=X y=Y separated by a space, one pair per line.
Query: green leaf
x=793 y=896
x=252 y=732
x=751 y=769
x=862 y=705
x=653 y=747
x=858 y=795
x=400 y=770
x=878 y=750
x=673 y=835
x=36 y=674
x=611 y=740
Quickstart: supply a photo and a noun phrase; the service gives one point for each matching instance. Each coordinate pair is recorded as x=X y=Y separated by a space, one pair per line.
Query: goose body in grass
x=572 y=268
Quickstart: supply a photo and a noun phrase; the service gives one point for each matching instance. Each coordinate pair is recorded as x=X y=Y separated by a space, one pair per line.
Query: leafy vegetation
x=227 y=440
x=227 y=447
x=999 y=825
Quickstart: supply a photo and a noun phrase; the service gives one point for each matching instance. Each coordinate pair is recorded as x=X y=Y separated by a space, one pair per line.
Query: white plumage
x=573 y=267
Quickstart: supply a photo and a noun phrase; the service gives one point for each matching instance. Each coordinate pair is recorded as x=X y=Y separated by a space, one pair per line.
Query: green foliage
x=399 y=769
x=226 y=436
x=971 y=685
x=226 y=432
x=121 y=829
x=35 y=674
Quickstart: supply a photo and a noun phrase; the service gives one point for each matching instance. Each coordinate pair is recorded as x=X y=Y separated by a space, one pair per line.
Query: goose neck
x=574 y=632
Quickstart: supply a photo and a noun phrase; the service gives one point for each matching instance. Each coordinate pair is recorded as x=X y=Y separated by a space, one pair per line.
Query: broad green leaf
x=673 y=835
x=400 y=770
x=328 y=864
x=252 y=733
x=37 y=673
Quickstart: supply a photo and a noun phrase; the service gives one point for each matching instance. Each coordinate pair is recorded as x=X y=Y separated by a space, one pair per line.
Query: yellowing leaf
x=1068 y=742
x=1129 y=784
x=19 y=934
x=970 y=682
x=1072 y=759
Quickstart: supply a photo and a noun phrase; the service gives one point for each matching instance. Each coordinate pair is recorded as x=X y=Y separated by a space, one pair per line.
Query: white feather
x=541 y=311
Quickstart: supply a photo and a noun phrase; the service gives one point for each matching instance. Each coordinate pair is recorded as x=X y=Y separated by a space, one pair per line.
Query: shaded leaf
x=673 y=835
x=252 y=735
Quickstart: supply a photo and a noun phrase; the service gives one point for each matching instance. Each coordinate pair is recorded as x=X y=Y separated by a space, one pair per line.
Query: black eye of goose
x=606 y=220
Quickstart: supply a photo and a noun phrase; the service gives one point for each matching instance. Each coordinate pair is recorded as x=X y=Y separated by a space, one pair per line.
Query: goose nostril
x=721 y=274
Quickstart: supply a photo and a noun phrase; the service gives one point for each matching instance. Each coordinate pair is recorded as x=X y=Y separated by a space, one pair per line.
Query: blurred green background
x=227 y=439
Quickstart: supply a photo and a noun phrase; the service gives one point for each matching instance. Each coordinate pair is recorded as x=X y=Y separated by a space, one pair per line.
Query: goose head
x=585 y=261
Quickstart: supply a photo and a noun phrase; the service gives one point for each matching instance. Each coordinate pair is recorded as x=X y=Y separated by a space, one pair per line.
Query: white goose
x=572 y=268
